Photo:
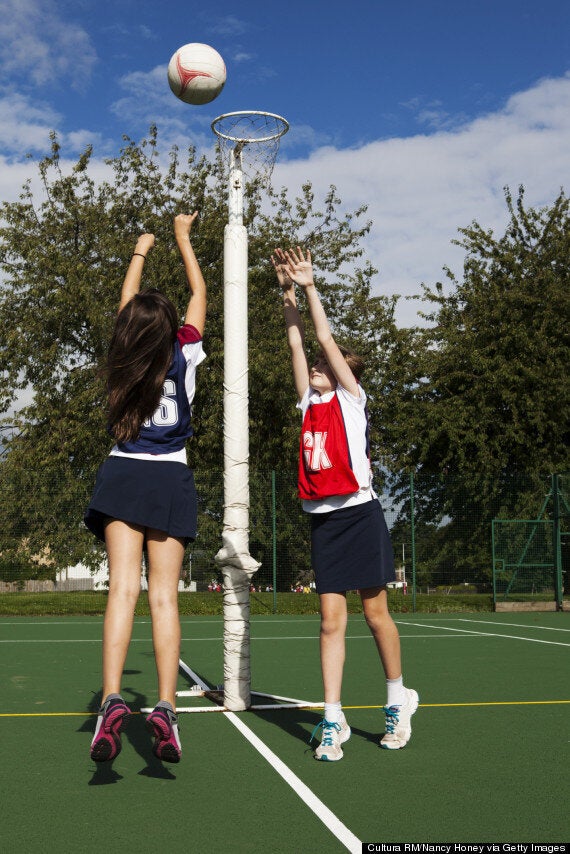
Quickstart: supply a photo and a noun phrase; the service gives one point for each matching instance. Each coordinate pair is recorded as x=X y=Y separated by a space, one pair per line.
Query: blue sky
x=423 y=111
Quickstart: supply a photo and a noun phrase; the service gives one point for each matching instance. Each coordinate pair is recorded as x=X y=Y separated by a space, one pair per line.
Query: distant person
x=144 y=497
x=350 y=544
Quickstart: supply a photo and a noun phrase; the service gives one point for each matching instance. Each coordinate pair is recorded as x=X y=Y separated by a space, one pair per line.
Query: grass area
x=211 y=604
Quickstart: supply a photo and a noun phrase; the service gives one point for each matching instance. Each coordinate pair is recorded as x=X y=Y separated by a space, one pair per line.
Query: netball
x=196 y=73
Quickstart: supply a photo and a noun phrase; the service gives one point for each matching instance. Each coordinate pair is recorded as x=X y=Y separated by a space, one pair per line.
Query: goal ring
x=232 y=127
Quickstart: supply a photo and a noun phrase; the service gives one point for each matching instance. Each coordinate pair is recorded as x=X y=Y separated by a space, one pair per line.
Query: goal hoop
x=255 y=135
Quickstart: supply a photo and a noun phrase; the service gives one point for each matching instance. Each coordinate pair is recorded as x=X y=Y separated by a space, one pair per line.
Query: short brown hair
x=352 y=359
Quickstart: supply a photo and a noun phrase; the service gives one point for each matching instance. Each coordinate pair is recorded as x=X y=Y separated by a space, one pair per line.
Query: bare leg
x=124 y=550
x=384 y=630
x=332 y=643
x=165 y=556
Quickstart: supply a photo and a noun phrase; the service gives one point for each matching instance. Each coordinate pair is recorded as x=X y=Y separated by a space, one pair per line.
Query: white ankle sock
x=332 y=712
x=395 y=691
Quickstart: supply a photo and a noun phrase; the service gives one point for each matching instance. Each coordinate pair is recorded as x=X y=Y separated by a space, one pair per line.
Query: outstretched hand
x=183 y=225
x=144 y=244
x=293 y=267
x=279 y=261
x=300 y=267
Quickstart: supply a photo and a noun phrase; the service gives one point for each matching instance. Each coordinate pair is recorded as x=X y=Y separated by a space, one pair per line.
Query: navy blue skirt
x=351 y=549
x=159 y=495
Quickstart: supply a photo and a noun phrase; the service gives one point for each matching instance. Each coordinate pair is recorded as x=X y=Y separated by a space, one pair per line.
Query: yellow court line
x=51 y=714
x=494 y=703
x=288 y=708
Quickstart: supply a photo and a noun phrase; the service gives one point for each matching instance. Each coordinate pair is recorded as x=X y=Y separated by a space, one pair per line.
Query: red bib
x=324 y=458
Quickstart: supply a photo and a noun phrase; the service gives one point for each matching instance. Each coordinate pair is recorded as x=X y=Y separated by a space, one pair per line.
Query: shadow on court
x=300 y=723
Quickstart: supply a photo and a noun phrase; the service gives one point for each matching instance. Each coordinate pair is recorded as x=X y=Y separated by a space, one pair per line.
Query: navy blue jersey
x=170 y=426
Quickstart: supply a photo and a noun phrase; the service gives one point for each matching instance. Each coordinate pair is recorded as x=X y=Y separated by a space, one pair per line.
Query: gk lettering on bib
x=324 y=458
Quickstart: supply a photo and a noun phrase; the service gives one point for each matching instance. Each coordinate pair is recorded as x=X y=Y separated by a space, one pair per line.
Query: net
x=255 y=136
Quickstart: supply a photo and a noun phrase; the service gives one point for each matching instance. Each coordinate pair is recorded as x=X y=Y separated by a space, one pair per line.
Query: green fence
x=531 y=556
x=523 y=559
x=442 y=529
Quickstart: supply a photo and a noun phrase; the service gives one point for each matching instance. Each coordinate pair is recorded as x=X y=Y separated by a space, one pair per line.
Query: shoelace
x=392 y=717
x=327 y=739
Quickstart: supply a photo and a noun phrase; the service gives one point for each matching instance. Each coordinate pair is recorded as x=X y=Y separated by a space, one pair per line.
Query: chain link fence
x=441 y=529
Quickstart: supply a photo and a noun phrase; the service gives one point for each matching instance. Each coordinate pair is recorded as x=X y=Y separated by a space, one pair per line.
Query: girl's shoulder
x=351 y=399
x=188 y=334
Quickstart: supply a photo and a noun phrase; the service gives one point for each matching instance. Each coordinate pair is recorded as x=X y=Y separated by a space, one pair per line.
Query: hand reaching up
x=299 y=267
x=279 y=261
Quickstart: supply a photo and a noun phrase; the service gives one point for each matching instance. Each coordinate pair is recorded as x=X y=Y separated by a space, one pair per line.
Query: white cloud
x=144 y=91
x=148 y=101
x=25 y=125
x=40 y=47
x=420 y=190
x=242 y=56
x=229 y=26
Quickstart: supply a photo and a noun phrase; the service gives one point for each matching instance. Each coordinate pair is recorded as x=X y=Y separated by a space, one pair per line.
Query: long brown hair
x=139 y=356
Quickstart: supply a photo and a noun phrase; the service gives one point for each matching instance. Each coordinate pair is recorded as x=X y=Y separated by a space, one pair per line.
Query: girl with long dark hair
x=144 y=496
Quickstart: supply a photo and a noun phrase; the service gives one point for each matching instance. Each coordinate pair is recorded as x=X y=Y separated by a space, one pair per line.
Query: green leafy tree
x=63 y=260
x=483 y=412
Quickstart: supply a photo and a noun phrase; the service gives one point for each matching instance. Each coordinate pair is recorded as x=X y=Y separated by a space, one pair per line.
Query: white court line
x=98 y=620
x=99 y=640
x=190 y=621
x=322 y=812
x=139 y=621
x=31 y=622
x=86 y=640
x=309 y=619
x=28 y=640
x=71 y=640
x=516 y=625
x=491 y=635
x=218 y=638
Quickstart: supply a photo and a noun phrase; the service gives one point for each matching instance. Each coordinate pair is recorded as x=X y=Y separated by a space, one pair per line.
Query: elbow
x=324 y=338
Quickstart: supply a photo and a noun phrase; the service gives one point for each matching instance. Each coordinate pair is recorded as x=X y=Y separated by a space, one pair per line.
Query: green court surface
x=488 y=759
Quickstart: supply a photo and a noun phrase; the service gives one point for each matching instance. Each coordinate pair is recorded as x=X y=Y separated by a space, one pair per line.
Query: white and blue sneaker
x=333 y=735
x=399 y=721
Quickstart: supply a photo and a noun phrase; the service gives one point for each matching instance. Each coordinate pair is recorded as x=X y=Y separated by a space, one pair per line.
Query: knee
x=373 y=623
x=379 y=622
x=332 y=625
x=162 y=600
x=125 y=591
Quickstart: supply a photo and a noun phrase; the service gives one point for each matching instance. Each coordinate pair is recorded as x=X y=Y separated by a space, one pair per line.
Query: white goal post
x=249 y=137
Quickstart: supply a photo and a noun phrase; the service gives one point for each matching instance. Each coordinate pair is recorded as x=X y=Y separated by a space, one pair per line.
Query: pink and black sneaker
x=163 y=724
x=106 y=742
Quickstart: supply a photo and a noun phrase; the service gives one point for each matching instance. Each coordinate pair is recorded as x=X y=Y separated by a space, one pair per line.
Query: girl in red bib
x=350 y=543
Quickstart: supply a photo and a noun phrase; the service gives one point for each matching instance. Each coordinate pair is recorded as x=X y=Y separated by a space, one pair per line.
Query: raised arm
x=196 y=311
x=132 y=281
x=299 y=268
x=293 y=324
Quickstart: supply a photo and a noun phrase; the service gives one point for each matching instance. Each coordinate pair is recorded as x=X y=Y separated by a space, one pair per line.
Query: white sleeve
x=193 y=353
x=350 y=398
x=303 y=404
